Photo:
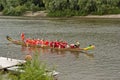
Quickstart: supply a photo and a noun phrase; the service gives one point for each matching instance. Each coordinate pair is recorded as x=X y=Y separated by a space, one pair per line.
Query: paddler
x=42 y=42
x=56 y=44
x=46 y=42
x=63 y=44
x=77 y=44
x=22 y=36
x=27 y=41
x=38 y=42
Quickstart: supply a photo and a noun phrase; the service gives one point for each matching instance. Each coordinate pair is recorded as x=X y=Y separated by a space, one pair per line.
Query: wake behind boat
x=48 y=45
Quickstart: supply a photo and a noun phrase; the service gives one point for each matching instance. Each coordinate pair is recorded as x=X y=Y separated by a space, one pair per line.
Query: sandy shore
x=38 y=13
x=44 y=14
x=102 y=16
x=1 y=14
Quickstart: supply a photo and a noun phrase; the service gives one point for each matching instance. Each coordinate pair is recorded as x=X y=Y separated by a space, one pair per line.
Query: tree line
x=61 y=7
x=18 y=7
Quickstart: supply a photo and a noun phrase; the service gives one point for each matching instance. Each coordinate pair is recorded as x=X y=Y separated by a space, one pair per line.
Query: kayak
x=20 y=42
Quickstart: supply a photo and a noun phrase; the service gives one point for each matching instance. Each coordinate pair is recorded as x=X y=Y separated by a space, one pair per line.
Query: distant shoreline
x=117 y=16
x=44 y=14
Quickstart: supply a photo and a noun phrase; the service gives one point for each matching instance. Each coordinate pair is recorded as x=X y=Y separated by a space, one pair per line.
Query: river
x=102 y=63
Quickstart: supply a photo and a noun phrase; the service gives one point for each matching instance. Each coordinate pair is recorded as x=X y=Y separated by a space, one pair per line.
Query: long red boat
x=20 y=42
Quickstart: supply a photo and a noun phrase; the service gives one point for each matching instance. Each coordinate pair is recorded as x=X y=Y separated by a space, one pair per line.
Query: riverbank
x=34 y=14
x=44 y=14
x=100 y=16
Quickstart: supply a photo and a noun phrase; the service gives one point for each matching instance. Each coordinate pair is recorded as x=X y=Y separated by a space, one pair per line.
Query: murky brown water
x=103 y=63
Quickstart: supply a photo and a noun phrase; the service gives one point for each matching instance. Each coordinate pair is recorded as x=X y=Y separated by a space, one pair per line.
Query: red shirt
x=22 y=36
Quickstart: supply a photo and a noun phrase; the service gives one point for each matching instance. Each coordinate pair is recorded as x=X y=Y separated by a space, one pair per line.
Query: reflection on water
x=76 y=54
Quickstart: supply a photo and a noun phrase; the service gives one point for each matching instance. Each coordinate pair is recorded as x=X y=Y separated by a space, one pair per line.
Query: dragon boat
x=22 y=43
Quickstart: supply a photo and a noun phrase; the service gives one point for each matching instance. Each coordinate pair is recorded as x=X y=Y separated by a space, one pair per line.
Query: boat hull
x=19 y=42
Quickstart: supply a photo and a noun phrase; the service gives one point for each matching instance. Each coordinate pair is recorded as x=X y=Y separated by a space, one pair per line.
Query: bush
x=1 y=7
x=34 y=70
x=114 y=11
x=3 y=76
x=7 y=11
x=65 y=13
x=17 y=11
x=32 y=7
x=35 y=8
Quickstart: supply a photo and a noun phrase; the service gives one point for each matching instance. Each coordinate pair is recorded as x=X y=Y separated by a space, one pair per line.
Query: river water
x=102 y=63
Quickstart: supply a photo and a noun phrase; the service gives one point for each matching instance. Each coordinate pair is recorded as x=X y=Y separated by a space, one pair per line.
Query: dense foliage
x=61 y=7
x=18 y=7
x=82 y=7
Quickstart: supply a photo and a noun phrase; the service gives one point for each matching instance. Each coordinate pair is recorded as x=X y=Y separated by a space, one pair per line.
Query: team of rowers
x=54 y=44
